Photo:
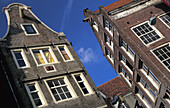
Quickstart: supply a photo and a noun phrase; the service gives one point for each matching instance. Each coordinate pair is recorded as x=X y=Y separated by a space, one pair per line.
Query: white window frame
x=95 y=26
x=44 y=58
x=70 y=88
x=157 y=57
x=162 y=20
x=67 y=51
x=108 y=27
x=24 y=58
x=87 y=85
x=37 y=33
x=157 y=31
x=40 y=94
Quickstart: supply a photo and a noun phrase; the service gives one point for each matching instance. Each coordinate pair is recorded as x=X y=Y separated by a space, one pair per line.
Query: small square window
x=29 y=29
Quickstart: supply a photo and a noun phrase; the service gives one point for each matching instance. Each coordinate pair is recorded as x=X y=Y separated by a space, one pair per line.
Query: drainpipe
x=10 y=84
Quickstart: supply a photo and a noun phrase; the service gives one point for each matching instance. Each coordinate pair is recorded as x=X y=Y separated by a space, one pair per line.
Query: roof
x=116 y=4
x=114 y=86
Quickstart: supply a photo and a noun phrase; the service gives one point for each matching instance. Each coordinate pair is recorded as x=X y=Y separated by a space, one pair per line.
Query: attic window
x=29 y=29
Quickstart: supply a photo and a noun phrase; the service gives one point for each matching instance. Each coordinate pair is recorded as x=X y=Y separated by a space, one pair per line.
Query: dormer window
x=29 y=29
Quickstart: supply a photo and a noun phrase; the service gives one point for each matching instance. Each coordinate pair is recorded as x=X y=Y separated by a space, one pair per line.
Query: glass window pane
x=21 y=63
x=48 y=56
x=78 y=78
x=38 y=102
x=34 y=95
x=85 y=91
x=57 y=97
x=18 y=55
x=38 y=57
x=63 y=96
x=31 y=87
x=29 y=29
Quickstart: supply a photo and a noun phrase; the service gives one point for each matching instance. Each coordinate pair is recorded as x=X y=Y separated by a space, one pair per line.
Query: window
x=108 y=41
x=146 y=102
x=82 y=83
x=20 y=58
x=126 y=48
x=108 y=26
x=147 y=33
x=43 y=56
x=127 y=78
x=65 y=53
x=29 y=29
x=109 y=55
x=35 y=94
x=163 y=54
x=95 y=25
x=148 y=72
x=165 y=18
x=60 y=89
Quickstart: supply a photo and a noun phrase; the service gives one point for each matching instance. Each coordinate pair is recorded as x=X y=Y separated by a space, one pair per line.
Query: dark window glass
x=29 y=29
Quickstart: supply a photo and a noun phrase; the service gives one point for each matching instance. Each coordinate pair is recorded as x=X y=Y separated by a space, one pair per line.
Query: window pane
x=31 y=87
x=81 y=84
x=78 y=78
x=63 y=96
x=38 y=102
x=18 y=55
x=38 y=57
x=48 y=56
x=29 y=29
x=68 y=95
x=21 y=63
x=64 y=53
x=57 y=97
x=34 y=95
x=85 y=91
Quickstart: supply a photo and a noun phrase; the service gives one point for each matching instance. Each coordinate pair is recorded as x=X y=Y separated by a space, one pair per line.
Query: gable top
x=116 y=4
x=114 y=86
x=21 y=6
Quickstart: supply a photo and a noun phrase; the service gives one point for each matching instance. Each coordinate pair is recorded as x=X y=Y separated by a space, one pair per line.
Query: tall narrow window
x=65 y=53
x=43 y=56
x=35 y=94
x=82 y=83
x=146 y=33
x=20 y=58
x=59 y=89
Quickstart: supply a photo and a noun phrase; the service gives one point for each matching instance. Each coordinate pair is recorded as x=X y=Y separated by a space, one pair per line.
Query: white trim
x=40 y=94
x=121 y=74
x=162 y=20
x=40 y=48
x=69 y=87
x=87 y=85
x=51 y=70
x=143 y=100
x=67 y=51
x=161 y=36
x=37 y=33
x=157 y=57
x=23 y=56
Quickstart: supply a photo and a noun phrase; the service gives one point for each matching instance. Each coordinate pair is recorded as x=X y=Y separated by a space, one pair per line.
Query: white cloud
x=66 y=15
x=87 y=55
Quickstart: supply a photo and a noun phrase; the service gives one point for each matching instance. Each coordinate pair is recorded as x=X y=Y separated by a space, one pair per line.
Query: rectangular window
x=165 y=18
x=43 y=56
x=29 y=29
x=126 y=48
x=65 y=53
x=82 y=83
x=126 y=75
x=35 y=94
x=163 y=54
x=109 y=55
x=20 y=58
x=146 y=33
x=60 y=89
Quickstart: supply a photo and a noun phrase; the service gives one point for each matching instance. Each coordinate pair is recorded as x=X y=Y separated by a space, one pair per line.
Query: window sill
x=147 y=92
x=111 y=33
x=126 y=79
x=130 y=55
x=130 y=71
x=143 y=101
x=153 y=82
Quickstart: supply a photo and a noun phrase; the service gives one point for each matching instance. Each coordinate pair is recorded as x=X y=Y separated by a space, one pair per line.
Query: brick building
x=134 y=38
x=117 y=94
x=41 y=66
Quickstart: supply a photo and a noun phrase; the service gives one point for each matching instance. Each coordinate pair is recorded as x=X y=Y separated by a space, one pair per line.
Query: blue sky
x=66 y=16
